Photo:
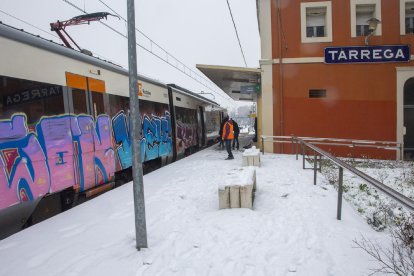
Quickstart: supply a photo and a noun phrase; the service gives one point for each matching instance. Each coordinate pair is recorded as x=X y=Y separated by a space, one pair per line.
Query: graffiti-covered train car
x=64 y=127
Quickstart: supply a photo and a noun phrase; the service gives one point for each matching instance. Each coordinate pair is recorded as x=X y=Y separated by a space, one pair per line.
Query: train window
x=117 y=104
x=35 y=99
x=98 y=103
x=186 y=115
x=97 y=89
x=79 y=101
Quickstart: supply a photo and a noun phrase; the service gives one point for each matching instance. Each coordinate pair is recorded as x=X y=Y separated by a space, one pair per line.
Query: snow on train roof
x=22 y=36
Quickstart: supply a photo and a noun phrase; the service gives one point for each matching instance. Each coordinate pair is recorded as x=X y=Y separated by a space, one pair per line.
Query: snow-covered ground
x=291 y=231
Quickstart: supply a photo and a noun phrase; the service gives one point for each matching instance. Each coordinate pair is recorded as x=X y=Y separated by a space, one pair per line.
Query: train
x=64 y=127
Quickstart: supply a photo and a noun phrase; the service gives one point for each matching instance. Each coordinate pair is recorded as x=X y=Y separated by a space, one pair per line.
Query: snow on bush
x=378 y=209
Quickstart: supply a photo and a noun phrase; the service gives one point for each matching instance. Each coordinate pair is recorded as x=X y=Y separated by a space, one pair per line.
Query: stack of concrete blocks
x=251 y=157
x=237 y=189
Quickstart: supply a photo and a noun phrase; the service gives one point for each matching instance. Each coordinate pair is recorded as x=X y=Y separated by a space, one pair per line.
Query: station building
x=337 y=69
x=331 y=69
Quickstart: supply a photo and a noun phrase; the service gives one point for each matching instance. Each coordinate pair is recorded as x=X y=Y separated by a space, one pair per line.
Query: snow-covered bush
x=378 y=209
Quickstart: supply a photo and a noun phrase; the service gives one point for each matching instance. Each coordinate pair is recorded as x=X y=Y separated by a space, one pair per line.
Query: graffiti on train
x=155 y=137
x=60 y=152
x=186 y=136
x=71 y=150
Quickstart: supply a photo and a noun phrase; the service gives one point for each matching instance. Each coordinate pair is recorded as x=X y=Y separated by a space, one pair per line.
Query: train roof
x=24 y=37
x=185 y=91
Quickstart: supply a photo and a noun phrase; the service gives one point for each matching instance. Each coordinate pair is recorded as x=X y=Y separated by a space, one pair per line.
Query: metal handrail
x=304 y=143
x=386 y=145
x=333 y=139
x=402 y=199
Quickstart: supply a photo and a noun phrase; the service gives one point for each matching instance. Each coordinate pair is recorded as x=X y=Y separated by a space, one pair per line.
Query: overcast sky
x=194 y=31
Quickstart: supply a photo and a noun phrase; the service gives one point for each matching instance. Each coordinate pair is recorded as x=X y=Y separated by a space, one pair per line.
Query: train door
x=202 y=125
x=91 y=133
x=173 y=123
x=104 y=159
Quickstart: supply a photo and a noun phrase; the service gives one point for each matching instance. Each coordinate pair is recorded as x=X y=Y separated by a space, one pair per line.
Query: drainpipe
x=281 y=87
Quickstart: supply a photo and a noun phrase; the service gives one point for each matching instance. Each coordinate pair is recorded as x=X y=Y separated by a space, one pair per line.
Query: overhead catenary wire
x=237 y=34
x=185 y=69
x=29 y=24
x=152 y=42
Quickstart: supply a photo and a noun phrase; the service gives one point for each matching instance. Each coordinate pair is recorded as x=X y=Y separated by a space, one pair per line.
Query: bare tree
x=399 y=259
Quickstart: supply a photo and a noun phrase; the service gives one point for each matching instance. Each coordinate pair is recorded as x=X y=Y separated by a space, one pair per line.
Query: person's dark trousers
x=228 y=148
x=236 y=141
x=221 y=145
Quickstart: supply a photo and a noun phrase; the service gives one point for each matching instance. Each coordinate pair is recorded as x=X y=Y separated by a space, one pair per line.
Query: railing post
x=401 y=152
x=320 y=163
x=315 y=167
x=292 y=145
x=297 y=150
x=262 y=145
x=303 y=154
x=339 y=208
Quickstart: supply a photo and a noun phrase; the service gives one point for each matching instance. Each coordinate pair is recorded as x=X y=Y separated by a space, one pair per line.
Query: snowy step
x=237 y=190
x=251 y=157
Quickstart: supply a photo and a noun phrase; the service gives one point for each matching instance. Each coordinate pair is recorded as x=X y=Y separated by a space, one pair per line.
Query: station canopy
x=240 y=83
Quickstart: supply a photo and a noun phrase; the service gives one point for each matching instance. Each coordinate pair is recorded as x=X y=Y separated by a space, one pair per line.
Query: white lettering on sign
x=365 y=54
x=376 y=54
x=388 y=53
x=400 y=54
x=342 y=55
x=333 y=52
x=353 y=54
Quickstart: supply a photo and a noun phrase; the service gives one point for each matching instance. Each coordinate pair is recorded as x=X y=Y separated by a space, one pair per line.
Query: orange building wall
x=361 y=98
x=341 y=26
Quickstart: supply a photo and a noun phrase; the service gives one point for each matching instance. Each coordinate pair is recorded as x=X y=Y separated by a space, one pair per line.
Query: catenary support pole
x=135 y=130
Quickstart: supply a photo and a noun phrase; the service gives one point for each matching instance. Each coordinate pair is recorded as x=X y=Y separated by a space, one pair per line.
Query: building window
x=406 y=17
x=316 y=22
x=317 y=93
x=361 y=12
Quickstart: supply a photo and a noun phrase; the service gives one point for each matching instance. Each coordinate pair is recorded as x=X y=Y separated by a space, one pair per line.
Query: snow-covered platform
x=292 y=231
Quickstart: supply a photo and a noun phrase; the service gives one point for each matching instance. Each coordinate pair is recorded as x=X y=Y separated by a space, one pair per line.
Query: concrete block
x=246 y=196
x=254 y=181
x=237 y=188
x=224 y=198
x=235 y=196
x=251 y=157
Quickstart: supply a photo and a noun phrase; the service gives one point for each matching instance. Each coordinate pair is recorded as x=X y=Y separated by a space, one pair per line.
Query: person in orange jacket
x=227 y=137
x=221 y=142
